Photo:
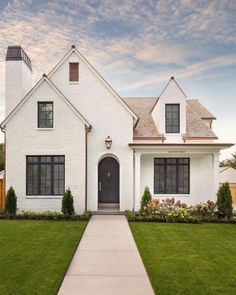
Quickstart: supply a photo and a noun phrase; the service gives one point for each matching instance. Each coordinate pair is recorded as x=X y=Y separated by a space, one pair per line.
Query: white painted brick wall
x=171 y=95
x=108 y=118
x=104 y=113
x=67 y=138
x=18 y=83
x=202 y=177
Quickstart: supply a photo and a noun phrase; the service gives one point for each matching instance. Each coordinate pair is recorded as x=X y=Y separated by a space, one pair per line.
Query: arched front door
x=108 y=180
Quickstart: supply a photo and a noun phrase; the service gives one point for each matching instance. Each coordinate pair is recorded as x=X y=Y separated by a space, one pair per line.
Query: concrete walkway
x=107 y=261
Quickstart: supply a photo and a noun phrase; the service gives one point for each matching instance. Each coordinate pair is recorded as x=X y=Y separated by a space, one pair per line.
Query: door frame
x=99 y=161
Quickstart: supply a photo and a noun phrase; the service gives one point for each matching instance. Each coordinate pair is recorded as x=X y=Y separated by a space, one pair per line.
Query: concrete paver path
x=106 y=261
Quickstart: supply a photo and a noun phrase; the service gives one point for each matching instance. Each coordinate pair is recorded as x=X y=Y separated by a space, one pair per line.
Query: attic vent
x=17 y=53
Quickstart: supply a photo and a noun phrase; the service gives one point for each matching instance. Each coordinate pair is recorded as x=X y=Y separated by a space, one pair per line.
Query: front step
x=106 y=212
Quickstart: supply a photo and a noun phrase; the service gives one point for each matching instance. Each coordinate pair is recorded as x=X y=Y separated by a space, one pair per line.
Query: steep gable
x=74 y=55
x=171 y=94
x=45 y=79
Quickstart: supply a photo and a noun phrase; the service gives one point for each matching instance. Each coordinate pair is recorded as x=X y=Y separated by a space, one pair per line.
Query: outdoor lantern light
x=108 y=142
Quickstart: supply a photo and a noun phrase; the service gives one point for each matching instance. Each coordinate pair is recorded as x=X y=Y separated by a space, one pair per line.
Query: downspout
x=4 y=178
x=87 y=130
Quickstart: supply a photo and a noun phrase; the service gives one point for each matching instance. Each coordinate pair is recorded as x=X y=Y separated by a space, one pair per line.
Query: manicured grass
x=188 y=258
x=34 y=255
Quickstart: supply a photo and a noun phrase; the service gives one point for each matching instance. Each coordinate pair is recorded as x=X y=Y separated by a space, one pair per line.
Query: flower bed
x=169 y=210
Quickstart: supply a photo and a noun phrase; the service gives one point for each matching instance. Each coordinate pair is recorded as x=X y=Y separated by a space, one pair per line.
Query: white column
x=137 y=181
x=215 y=166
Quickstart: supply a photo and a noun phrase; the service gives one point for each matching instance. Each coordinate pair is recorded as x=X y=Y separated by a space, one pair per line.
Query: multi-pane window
x=45 y=115
x=172 y=118
x=171 y=175
x=45 y=175
x=74 y=71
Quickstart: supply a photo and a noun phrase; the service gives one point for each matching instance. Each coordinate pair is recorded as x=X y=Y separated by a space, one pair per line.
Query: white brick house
x=58 y=133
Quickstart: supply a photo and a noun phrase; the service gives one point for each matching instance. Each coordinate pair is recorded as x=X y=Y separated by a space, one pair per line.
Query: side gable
x=101 y=79
x=171 y=94
x=37 y=85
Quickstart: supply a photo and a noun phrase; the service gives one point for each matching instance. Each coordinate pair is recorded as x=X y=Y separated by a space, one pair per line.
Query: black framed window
x=171 y=175
x=172 y=118
x=45 y=114
x=45 y=175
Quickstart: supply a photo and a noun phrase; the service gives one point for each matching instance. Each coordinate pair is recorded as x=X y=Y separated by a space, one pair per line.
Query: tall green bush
x=146 y=198
x=10 y=202
x=224 y=201
x=68 y=203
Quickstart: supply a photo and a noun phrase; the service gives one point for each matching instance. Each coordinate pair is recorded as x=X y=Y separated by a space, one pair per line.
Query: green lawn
x=188 y=258
x=34 y=255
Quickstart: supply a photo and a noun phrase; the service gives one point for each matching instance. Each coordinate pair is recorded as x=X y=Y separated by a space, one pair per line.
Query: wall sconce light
x=108 y=142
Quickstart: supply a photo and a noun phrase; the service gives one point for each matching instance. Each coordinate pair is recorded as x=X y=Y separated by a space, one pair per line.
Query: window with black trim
x=45 y=114
x=172 y=118
x=45 y=175
x=171 y=175
x=73 y=71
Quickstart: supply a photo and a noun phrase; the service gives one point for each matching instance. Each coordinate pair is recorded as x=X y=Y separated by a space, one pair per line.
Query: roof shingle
x=146 y=128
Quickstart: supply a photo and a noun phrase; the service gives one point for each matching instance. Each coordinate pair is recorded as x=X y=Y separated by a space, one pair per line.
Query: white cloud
x=195 y=70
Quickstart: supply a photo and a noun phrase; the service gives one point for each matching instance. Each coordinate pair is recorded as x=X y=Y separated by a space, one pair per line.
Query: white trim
x=44 y=129
x=75 y=50
x=44 y=197
x=171 y=195
x=44 y=78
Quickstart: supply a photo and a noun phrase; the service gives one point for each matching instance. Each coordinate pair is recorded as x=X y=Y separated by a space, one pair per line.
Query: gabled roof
x=74 y=49
x=196 y=127
x=172 y=79
x=200 y=109
x=43 y=79
x=146 y=127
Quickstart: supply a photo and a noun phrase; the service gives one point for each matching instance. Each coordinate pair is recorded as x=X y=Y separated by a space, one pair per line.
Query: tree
x=68 y=203
x=146 y=198
x=10 y=202
x=224 y=201
x=229 y=162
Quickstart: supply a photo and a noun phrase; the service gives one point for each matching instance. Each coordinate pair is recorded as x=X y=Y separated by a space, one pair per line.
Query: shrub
x=203 y=209
x=146 y=198
x=130 y=215
x=179 y=214
x=10 y=202
x=68 y=203
x=224 y=201
x=86 y=215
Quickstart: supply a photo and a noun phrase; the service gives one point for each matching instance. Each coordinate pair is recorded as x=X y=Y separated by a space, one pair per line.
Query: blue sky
x=136 y=46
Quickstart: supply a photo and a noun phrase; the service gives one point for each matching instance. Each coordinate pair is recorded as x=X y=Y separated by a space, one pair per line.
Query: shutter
x=74 y=71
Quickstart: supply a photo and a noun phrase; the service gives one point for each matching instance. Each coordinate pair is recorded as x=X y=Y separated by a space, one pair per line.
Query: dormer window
x=45 y=114
x=73 y=71
x=172 y=118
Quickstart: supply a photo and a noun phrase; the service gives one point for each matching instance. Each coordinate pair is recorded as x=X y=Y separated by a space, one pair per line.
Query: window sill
x=45 y=129
x=73 y=82
x=44 y=197
x=171 y=195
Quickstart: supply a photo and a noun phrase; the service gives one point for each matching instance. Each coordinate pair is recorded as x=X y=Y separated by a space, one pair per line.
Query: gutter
x=152 y=144
x=4 y=178
x=87 y=130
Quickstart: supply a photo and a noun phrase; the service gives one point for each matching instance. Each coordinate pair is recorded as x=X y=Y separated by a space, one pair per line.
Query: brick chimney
x=18 y=79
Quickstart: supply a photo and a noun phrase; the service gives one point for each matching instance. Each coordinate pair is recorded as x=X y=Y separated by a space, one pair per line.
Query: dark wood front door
x=108 y=181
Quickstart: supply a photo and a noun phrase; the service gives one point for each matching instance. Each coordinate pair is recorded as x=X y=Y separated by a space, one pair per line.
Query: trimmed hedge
x=47 y=215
